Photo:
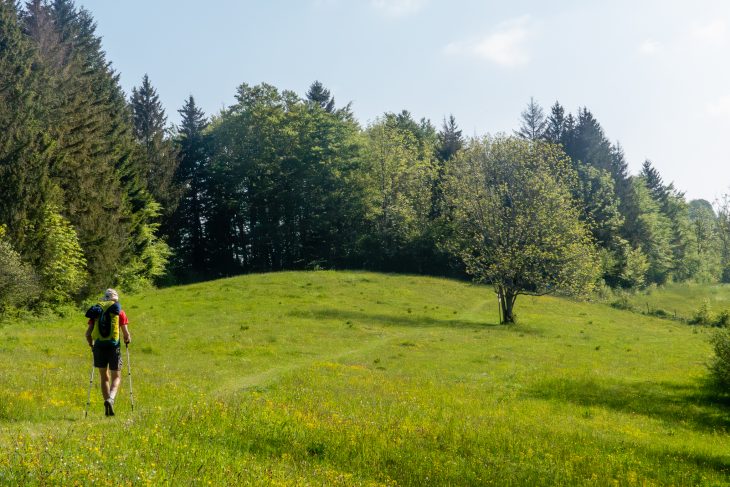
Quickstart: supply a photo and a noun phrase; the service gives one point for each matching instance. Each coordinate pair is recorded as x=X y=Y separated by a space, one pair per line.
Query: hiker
x=106 y=320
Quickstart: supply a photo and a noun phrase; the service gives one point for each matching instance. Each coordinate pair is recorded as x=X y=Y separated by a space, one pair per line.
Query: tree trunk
x=507 y=298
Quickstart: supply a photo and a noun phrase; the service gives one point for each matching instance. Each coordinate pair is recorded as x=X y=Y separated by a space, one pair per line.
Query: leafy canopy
x=516 y=224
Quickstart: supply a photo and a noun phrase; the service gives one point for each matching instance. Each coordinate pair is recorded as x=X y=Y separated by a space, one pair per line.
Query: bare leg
x=104 y=383
x=116 y=381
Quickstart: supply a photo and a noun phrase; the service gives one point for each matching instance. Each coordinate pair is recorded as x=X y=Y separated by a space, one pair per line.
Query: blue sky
x=656 y=74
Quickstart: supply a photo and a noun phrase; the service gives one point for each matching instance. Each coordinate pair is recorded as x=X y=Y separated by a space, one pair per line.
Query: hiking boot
x=109 y=407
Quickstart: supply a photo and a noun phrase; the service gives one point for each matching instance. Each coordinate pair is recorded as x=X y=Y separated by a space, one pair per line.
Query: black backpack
x=105 y=318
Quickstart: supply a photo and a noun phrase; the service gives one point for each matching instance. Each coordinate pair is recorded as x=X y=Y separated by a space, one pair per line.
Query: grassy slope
x=682 y=300
x=364 y=379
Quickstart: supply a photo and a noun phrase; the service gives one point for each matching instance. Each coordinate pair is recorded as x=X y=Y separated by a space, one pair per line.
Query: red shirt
x=123 y=321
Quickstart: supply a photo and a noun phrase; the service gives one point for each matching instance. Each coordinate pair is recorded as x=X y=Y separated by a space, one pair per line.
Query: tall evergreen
x=590 y=144
x=450 y=139
x=24 y=181
x=533 y=122
x=187 y=235
x=650 y=231
x=654 y=183
x=450 y=142
x=555 y=125
x=158 y=159
x=321 y=96
x=89 y=117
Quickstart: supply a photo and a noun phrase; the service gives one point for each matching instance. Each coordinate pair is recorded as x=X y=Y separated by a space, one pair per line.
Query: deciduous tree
x=518 y=227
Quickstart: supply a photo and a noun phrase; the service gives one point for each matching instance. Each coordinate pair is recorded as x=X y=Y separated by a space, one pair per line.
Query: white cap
x=111 y=295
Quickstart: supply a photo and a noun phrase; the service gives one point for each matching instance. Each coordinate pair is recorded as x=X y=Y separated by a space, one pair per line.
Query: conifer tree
x=450 y=142
x=186 y=234
x=321 y=96
x=533 y=122
x=85 y=156
x=96 y=163
x=654 y=183
x=24 y=181
x=556 y=125
x=158 y=159
x=450 y=139
x=651 y=231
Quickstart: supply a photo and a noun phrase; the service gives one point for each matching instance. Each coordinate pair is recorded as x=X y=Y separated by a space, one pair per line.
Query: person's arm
x=127 y=336
x=89 y=329
x=123 y=322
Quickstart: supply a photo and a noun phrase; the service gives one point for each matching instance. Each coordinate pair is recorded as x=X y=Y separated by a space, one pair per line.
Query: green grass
x=342 y=378
x=681 y=300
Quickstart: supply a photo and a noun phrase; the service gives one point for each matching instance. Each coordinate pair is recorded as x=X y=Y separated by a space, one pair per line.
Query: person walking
x=107 y=324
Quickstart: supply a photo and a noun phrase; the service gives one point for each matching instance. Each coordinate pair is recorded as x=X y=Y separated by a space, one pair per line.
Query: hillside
x=350 y=378
x=681 y=300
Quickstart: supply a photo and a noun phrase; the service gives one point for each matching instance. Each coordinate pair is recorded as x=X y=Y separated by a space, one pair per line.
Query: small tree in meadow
x=515 y=223
x=720 y=365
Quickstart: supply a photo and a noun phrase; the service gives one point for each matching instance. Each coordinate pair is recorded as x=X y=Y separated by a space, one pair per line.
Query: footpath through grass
x=341 y=378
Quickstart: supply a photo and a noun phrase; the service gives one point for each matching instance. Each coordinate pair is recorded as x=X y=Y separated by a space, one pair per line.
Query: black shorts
x=107 y=355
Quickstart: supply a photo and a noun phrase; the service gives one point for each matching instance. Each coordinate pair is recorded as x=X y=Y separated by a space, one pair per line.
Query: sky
x=656 y=74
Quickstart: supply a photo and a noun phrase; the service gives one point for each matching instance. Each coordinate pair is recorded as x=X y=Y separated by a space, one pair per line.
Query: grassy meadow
x=681 y=300
x=354 y=378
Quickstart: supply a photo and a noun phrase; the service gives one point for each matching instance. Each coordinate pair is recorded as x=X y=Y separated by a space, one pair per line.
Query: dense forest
x=97 y=189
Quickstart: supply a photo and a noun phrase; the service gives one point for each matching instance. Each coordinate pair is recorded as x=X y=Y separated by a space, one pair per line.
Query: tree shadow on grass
x=697 y=406
x=387 y=319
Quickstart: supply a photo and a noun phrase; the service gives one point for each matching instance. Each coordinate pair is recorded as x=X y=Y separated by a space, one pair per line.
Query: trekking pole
x=88 y=397
x=129 y=372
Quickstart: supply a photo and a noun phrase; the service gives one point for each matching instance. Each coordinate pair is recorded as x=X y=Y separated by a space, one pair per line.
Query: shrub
x=622 y=300
x=18 y=282
x=720 y=366
x=660 y=313
x=703 y=316
x=61 y=263
x=723 y=319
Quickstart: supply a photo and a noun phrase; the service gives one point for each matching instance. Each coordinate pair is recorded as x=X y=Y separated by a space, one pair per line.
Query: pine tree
x=450 y=142
x=652 y=232
x=590 y=145
x=39 y=25
x=158 y=160
x=655 y=184
x=187 y=234
x=96 y=162
x=568 y=136
x=148 y=114
x=533 y=122
x=91 y=130
x=24 y=145
x=321 y=96
x=555 y=126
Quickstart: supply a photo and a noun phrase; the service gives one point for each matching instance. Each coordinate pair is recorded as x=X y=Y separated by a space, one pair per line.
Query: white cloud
x=398 y=8
x=506 y=46
x=650 y=47
x=719 y=107
x=714 y=32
